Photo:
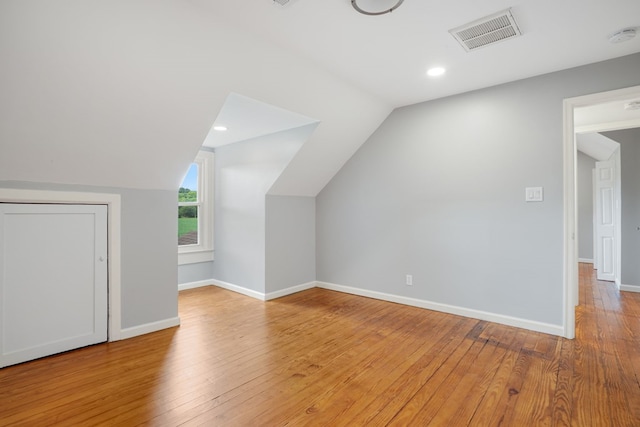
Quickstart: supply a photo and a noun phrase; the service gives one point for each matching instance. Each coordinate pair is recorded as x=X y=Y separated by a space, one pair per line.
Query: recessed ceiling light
x=220 y=128
x=436 y=71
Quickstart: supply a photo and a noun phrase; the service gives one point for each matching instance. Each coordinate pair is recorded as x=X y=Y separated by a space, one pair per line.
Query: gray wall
x=584 y=182
x=244 y=172
x=196 y=272
x=290 y=241
x=148 y=251
x=438 y=192
x=629 y=140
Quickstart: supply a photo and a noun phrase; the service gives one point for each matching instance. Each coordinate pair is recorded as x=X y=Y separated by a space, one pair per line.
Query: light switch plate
x=533 y=194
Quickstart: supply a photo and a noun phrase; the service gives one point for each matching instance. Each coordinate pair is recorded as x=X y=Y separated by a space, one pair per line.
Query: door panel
x=605 y=220
x=608 y=248
x=53 y=281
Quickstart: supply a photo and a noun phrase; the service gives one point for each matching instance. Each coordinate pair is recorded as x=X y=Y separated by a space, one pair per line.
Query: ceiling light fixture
x=375 y=7
x=436 y=71
x=220 y=128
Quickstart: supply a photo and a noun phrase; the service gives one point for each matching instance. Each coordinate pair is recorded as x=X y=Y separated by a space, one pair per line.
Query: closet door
x=53 y=279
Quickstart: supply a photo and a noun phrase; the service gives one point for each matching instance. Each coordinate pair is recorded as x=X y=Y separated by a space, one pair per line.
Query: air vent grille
x=488 y=30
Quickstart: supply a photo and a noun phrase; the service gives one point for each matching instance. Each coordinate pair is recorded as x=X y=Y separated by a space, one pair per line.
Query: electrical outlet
x=409 y=280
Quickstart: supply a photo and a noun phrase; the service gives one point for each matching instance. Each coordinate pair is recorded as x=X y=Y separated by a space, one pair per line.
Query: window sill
x=194 y=257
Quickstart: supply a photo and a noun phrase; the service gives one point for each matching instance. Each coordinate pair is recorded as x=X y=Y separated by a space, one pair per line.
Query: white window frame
x=203 y=251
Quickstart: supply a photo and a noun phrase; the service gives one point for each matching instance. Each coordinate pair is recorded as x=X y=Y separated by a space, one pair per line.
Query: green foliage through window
x=186 y=226
x=188 y=212
x=186 y=195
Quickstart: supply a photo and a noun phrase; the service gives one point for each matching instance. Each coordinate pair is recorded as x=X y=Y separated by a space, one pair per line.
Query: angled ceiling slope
x=122 y=94
x=590 y=120
x=245 y=118
x=595 y=145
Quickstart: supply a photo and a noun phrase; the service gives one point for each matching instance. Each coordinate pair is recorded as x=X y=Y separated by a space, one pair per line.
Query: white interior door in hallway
x=607 y=218
x=53 y=279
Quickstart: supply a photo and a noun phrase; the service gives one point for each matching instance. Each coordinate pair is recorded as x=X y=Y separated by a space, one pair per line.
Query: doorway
x=598 y=186
x=570 y=255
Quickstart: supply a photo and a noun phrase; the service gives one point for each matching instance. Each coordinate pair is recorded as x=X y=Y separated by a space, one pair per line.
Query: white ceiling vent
x=488 y=30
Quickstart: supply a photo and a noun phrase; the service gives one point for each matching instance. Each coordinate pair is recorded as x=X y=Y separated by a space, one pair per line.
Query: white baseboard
x=259 y=295
x=192 y=285
x=149 y=327
x=239 y=289
x=630 y=288
x=585 y=260
x=289 y=291
x=445 y=308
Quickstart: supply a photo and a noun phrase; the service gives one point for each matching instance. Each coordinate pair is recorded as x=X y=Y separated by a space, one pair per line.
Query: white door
x=53 y=279
x=605 y=226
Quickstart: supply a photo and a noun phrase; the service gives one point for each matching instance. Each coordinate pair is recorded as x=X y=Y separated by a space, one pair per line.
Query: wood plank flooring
x=322 y=358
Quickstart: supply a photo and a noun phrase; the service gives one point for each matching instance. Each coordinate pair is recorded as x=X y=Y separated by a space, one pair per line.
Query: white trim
x=114 y=204
x=630 y=288
x=618 y=217
x=289 y=291
x=585 y=260
x=594 y=210
x=239 y=289
x=255 y=294
x=569 y=222
x=605 y=127
x=570 y=276
x=193 y=285
x=147 y=328
x=194 y=257
x=203 y=251
x=445 y=308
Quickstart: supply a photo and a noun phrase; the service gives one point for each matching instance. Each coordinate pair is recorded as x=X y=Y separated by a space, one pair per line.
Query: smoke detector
x=486 y=31
x=633 y=105
x=623 y=35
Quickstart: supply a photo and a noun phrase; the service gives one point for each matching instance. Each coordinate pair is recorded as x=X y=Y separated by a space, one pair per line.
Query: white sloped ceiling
x=123 y=94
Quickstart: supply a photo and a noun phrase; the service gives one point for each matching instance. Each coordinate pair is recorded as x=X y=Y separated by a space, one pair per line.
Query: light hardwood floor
x=325 y=358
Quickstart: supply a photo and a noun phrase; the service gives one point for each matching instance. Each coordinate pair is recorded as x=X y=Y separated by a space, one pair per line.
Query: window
x=195 y=211
x=188 y=207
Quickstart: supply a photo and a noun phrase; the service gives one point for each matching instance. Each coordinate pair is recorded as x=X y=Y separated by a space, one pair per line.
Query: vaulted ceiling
x=123 y=93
